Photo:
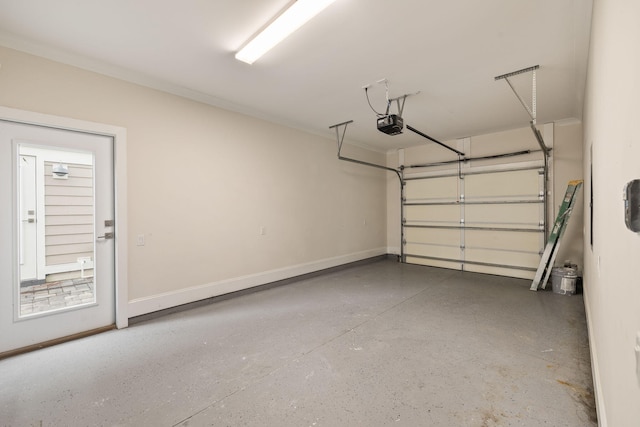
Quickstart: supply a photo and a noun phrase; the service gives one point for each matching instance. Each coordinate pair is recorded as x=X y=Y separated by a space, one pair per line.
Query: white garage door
x=488 y=220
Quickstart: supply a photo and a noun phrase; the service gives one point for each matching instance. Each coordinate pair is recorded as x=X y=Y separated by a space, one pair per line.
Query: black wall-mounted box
x=632 y=205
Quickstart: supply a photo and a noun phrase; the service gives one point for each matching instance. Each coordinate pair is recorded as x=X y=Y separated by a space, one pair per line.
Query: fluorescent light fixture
x=291 y=19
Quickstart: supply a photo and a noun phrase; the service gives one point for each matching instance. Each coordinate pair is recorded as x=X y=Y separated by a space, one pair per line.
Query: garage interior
x=262 y=279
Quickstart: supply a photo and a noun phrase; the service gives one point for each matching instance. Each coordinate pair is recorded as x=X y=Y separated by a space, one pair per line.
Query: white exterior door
x=60 y=184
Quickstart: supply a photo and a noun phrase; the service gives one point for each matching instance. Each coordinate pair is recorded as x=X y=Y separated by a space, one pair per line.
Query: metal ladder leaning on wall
x=553 y=243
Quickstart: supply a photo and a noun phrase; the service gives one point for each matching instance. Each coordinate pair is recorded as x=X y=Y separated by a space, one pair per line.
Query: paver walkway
x=55 y=295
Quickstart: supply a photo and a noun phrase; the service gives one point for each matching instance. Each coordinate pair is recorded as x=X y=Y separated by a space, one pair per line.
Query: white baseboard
x=140 y=306
x=595 y=367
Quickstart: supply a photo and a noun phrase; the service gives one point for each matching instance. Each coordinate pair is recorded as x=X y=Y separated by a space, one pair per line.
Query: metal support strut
x=400 y=105
x=533 y=109
x=398 y=172
x=340 y=140
x=533 y=114
x=459 y=153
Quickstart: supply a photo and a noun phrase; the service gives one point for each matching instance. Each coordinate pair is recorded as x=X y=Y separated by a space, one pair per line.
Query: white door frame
x=28 y=241
x=119 y=136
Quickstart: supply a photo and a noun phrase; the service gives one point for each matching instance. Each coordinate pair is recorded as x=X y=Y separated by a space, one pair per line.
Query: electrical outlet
x=140 y=240
x=263 y=231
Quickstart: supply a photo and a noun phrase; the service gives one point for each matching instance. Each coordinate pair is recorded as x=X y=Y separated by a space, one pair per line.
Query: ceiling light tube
x=290 y=20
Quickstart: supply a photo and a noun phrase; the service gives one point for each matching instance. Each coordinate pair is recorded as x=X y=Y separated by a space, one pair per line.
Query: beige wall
x=202 y=181
x=612 y=265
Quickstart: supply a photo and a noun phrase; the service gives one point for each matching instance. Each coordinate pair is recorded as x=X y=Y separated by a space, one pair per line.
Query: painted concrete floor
x=382 y=344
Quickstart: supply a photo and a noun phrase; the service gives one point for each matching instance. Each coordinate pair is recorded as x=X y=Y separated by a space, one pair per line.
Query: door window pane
x=56 y=204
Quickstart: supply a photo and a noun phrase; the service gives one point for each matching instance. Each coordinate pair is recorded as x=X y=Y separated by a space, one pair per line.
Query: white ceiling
x=449 y=51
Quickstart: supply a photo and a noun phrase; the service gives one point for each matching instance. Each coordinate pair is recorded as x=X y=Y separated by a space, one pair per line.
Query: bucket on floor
x=563 y=280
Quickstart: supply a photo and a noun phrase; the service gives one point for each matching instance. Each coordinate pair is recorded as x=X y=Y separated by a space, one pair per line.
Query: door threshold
x=56 y=341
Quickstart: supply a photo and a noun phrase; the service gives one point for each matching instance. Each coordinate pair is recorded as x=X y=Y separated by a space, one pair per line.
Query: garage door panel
x=430 y=242
x=503 y=185
x=433 y=263
x=443 y=214
x=432 y=235
x=507 y=240
x=432 y=189
x=503 y=258
x=521 y=274
x=504 y=215
x=436 y=251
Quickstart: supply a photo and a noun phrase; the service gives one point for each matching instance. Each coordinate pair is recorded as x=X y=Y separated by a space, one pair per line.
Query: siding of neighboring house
x=68 y=215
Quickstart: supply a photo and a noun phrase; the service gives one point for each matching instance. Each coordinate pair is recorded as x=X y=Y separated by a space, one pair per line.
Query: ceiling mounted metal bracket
x=532 y=110
x=340 y=140
x=400 y=100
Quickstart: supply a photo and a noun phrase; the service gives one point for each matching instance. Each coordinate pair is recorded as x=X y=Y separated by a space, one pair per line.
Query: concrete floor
x=373 y=345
